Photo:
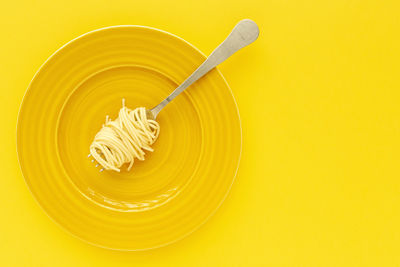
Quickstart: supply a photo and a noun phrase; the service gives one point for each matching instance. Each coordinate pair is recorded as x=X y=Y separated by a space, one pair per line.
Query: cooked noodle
x=122 y=140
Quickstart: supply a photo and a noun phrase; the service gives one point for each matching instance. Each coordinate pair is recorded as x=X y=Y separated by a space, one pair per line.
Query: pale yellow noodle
x=122 y=140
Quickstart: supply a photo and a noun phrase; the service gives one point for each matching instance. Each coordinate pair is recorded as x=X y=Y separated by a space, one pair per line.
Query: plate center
x=164 y=173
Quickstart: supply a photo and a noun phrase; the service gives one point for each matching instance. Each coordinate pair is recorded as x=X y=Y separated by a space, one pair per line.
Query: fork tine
x=97 y=164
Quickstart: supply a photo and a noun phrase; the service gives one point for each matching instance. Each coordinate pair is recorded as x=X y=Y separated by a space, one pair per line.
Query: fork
x=243 y=34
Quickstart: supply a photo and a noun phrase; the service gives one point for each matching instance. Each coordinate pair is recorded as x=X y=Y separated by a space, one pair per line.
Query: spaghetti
x=124 y=139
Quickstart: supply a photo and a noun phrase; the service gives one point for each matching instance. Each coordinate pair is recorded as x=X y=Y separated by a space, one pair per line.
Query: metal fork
x=243 y=34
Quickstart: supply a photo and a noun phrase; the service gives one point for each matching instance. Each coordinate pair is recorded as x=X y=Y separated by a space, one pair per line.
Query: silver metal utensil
x=244 y=33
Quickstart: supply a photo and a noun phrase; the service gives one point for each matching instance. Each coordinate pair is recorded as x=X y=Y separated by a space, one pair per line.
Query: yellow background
x=318 y=94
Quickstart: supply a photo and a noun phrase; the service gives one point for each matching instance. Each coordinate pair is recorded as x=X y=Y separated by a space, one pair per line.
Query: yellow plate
x=177 y=187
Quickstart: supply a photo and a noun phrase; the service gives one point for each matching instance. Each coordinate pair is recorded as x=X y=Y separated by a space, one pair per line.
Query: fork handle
x=244 y=33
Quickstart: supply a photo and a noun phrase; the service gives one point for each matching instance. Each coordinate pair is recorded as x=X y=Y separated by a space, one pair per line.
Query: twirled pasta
x=122 y=140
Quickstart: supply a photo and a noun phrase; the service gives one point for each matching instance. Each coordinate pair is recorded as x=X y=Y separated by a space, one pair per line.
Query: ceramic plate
x=177 y=187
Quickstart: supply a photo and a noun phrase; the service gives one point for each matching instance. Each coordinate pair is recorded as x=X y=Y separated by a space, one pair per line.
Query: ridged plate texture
x=177 y=187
